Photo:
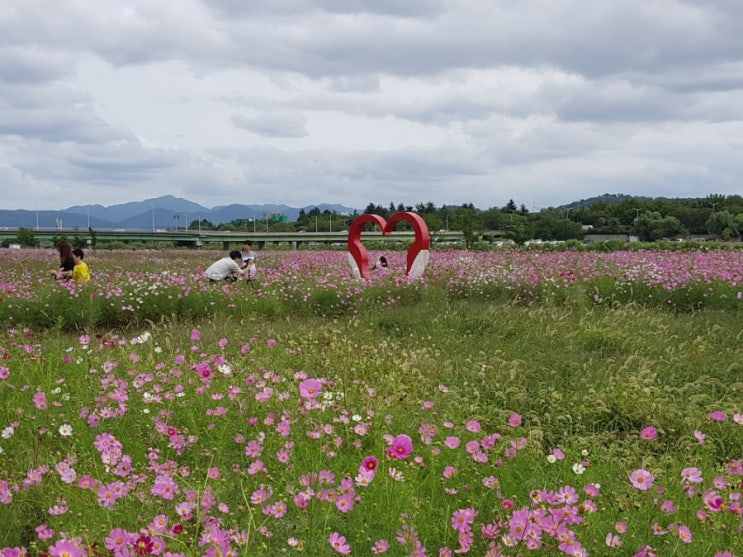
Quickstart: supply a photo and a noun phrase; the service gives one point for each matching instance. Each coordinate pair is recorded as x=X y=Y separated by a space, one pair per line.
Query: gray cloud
x=358 y=101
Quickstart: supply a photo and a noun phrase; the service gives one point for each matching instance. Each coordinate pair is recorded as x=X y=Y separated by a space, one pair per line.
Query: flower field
x=130 y=288
x=508 y=403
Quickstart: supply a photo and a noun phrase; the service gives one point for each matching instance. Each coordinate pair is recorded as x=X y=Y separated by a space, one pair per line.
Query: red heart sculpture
x=358 y=252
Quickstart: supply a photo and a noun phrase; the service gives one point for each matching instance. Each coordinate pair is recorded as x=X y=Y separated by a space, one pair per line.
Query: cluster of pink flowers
x=270 y=417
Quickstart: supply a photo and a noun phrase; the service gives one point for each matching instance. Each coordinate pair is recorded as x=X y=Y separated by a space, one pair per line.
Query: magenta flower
x=717 y=416
x=370 y=464
x=648 y=433
x=195 y=335
x=271 y=342
x=401 y=447
x=642 y=479
x=338 y=543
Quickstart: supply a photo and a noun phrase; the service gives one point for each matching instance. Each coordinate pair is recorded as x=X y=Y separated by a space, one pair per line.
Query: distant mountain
x=160 y=212
x=611 y=198
x=617 y=198
x=119 y=213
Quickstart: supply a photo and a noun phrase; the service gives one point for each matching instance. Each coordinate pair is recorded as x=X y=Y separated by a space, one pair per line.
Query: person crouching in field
x=228 y=268
x=80 y=272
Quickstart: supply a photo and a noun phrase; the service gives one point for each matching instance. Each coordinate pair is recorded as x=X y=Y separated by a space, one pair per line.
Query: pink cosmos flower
x=338 y=543
x=380 y=546
x=44 y=532
x=310 y=388
x=452 y=442
x=717 y=416
x=65 y=548
x=40 y=400
x=648 y=433
x=684 y=534
x=401 y=447
x=701 y=437
x=668 y=506
x=271 y=343
x=691 y=475
x=514 y=420
x=612 y=540
x=473 y=426
x=195 y=335
x=117 y=540
x=641 y=479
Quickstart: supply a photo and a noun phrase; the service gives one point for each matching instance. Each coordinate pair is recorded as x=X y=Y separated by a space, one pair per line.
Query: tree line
x=718 y=217
x=649 y=219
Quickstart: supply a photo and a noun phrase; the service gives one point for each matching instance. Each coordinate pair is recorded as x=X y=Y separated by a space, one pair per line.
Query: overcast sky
x=368 y=101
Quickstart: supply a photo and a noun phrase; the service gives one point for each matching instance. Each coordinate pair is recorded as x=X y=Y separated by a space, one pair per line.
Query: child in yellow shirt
x=80 y=273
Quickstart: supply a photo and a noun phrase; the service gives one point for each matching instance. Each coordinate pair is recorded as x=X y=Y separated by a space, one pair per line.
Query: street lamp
x=186 y=215
x=176 y=222
x=331 y=222
x=153 y=216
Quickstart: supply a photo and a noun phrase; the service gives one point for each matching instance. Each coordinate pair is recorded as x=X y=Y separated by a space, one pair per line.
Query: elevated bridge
x=223 y=239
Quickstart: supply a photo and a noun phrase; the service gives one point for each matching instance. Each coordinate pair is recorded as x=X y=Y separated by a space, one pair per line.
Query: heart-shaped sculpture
x=418 y=253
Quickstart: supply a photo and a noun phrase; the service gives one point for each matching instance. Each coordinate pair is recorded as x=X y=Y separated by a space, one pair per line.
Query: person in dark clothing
x=66 y=262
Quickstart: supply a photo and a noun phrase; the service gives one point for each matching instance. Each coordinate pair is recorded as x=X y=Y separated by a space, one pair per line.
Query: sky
x=353 y=102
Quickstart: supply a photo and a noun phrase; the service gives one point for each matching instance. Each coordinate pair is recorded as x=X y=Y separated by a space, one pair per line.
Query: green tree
x=554 y=224
x=722 y=225
x=651 y=226
x=26 y=237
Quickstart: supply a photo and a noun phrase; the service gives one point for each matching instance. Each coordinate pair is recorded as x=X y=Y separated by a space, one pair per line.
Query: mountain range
x=157 y=213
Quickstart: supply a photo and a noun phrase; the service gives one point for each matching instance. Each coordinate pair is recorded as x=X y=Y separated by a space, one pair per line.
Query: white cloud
x=368 y=101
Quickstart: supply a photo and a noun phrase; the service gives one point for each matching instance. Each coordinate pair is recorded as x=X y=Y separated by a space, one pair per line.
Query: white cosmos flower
x=224 y=369
x=65 y=430
x=578 y=468
x=8 y=432
x=551 y=458
x=396 y=475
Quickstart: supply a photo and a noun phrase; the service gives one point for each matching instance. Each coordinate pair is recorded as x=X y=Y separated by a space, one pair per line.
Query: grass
x=203 y=436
